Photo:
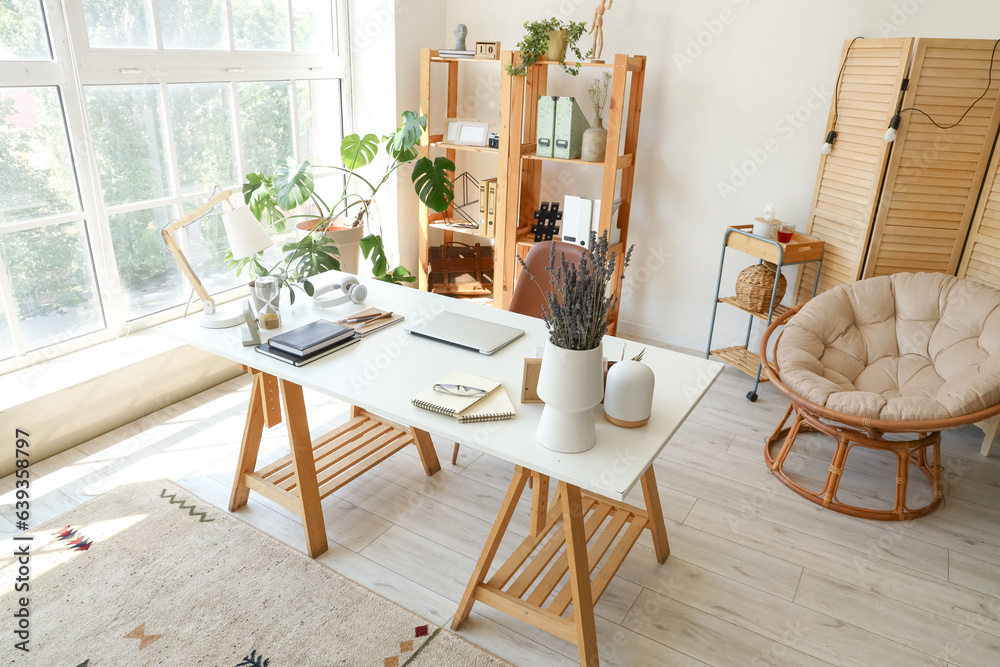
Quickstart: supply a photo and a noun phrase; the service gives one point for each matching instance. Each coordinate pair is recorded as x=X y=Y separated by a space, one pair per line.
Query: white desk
x=379 y=376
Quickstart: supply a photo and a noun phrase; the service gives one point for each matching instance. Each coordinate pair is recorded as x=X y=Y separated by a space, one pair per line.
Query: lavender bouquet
x=577 y=304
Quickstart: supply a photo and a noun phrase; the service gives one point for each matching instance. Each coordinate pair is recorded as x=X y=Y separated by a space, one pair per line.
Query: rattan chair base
x=906 y=451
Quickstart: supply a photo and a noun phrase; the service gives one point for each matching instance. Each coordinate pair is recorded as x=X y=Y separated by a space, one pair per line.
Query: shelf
x=527 y=584
x=448 y=228
x=463 y=147
x=802 y=248
x=742 y=358
x=634 y=64
x=779 y=309
x=525 y=237
x=528 y=153
x=439 y=59
x=341 y=455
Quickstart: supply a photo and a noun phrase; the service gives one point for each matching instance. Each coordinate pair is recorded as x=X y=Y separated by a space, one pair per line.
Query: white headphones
x=352 y=291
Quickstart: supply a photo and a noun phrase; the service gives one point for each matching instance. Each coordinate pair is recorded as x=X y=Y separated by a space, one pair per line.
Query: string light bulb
x=831 y=137
x=890 y=134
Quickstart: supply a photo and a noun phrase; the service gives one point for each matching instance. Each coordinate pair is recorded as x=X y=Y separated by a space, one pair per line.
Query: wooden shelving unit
x=519 y=169
x=519 y=180
x=436 y=142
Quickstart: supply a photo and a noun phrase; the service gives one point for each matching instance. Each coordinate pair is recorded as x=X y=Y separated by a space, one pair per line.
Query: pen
x=366 y=318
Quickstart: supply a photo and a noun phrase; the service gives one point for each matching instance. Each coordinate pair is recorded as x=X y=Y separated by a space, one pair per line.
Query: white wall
x=735 y=108
x=724 y=77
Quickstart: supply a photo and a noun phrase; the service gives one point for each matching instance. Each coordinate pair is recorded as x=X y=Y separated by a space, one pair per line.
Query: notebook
x=451 y=405
x=296 y=360
x=309 y=338
x=365 y=328
x=495 y=407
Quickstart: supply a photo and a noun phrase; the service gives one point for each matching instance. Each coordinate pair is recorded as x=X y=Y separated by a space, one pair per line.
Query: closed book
x=449 y=404
x=495 y=407
x=491 y=209
x=310 y=337
x=297 y=360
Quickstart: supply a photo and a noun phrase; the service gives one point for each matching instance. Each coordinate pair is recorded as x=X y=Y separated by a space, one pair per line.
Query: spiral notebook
x=495 y=407
x=460 y=406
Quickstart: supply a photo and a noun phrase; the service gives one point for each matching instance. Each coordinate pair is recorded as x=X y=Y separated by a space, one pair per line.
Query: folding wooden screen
x=981 y=261
x=847 y=188
x=935 y=174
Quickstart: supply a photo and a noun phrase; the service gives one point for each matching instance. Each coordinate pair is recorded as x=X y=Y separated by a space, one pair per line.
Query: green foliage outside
x=22 y=31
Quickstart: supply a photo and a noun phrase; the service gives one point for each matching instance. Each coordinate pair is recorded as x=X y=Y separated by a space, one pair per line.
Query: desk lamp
x=246 y=237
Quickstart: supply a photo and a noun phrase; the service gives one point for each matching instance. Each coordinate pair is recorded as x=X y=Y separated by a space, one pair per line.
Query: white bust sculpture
x=460 y=34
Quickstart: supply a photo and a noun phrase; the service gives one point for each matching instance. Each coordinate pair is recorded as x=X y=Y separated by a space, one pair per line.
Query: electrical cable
x=894 y=123
x=831 y=136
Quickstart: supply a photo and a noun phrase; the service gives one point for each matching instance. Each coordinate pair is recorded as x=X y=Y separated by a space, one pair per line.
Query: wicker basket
x=754 y=286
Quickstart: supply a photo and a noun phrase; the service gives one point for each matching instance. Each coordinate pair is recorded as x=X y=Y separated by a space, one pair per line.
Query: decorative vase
x=628 y=394
x=557 y=45
x=595 y=142
x=571 y=384
x=346 y=238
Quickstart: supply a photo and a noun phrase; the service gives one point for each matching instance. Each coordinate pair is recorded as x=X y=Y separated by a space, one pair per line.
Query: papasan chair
x=910 y=353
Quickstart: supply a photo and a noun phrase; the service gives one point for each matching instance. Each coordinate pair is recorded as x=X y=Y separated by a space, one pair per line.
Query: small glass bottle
x=268 y=291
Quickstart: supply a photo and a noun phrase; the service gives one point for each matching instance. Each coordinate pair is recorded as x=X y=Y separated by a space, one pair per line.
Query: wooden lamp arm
x=167 y=233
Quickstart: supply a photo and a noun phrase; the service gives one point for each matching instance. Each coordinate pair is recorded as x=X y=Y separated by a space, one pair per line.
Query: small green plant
x=535 y=43
x=272 y=197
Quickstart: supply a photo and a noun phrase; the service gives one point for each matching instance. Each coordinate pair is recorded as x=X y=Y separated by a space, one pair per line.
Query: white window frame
x=76 y=65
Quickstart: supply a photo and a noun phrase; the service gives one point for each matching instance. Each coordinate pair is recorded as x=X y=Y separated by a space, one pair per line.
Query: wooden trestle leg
x=305 y=467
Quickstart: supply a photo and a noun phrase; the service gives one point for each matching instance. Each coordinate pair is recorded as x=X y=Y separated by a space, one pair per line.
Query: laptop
x=468 y=332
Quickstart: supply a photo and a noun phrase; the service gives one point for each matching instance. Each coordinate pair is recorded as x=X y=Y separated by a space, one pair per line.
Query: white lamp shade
x=246 y=236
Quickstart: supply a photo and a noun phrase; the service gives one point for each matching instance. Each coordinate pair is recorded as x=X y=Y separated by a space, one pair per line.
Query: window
x=174 y=98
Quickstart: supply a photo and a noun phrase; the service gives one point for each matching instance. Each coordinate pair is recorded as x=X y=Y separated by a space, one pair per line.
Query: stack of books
x=452 y=53
x=309 y=342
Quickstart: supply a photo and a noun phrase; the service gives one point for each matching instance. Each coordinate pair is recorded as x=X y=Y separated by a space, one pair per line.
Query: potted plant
x=595 y=138
x=338 y=227
x=575 y=311
x=549 y=39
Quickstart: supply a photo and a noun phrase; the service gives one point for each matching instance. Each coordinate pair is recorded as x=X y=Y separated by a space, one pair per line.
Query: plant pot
x=557 y=45
x=595 y=142
x=571 y=384
x=347 y=239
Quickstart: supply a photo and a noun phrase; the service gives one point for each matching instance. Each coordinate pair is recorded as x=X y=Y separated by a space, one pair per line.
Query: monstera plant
x=273 y=198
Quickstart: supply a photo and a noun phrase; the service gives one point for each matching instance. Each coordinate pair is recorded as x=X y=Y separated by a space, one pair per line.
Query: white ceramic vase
x=595 y=142
x=571 y=384
x=347 y=240
x=628 y=394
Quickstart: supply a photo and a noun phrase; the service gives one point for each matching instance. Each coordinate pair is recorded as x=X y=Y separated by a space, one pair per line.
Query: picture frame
x=451 y=128
x=470 y=133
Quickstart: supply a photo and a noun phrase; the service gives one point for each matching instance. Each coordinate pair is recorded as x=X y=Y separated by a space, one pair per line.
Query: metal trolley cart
x=801 y=249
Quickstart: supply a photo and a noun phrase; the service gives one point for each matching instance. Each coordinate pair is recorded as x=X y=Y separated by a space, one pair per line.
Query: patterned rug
x=149 y=574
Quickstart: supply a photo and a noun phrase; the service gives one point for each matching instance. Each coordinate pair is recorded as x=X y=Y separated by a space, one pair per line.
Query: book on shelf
x=297 y=360
x=491 y=209
x=309 y=338
x=453 y=53
x=484 y=208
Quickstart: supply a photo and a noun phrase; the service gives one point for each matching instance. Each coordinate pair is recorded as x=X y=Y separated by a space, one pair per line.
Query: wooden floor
x=756 y=575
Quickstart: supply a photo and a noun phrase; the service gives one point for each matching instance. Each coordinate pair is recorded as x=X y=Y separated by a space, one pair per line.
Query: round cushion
x=910 y=346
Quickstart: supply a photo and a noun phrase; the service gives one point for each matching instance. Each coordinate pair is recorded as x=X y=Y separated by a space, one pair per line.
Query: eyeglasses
x=459 y=390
